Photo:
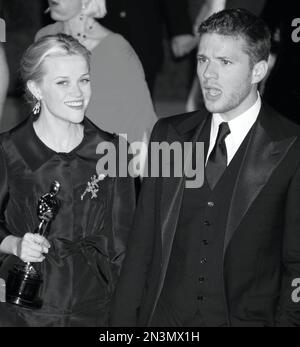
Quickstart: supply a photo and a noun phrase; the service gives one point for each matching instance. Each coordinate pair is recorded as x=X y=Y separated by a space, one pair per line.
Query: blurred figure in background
x=142 y=24
x=4 y=76
x=23 y=19
x=121 y=101
x=282 y=90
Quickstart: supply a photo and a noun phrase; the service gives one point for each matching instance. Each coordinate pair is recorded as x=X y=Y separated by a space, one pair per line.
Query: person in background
x=81 y=256
x=4 y=76
x=121 y=102
x=281 y=89
x=225 y=253
x=142 y=23
x=22 y=20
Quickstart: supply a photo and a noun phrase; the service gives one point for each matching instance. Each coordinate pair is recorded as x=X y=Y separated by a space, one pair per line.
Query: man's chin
x=212 y=107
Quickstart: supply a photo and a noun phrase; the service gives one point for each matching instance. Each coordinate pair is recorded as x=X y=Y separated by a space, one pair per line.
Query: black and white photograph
x=149 y=166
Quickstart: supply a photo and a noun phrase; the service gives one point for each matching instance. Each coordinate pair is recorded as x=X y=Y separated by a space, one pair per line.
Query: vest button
x=201 y=298
x=201 y=279
x=123 y=14
x=205 y=242
x=206 y=223
x=203 y=261
x=211 y=204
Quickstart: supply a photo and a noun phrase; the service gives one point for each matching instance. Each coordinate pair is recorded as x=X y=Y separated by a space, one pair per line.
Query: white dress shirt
x=239 y=128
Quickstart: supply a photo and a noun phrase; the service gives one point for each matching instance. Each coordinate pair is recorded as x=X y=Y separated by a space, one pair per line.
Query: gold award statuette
x=24 y=280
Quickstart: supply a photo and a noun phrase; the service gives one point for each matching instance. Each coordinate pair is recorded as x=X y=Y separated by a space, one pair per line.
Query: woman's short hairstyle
x=241 y=23
x=96 y=8
x=31 y=67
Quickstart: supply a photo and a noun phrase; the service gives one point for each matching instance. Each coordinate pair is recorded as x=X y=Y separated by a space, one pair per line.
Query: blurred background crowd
x=163 y=35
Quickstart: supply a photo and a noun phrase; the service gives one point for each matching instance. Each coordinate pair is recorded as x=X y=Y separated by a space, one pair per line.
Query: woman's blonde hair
x=31 y=66
x=95 y=8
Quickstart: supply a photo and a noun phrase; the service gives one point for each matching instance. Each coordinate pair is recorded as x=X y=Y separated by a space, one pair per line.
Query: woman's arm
x=209 y=7
x=30 y=247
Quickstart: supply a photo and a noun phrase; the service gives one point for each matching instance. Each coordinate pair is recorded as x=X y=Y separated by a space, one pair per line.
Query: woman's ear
x=34 y=89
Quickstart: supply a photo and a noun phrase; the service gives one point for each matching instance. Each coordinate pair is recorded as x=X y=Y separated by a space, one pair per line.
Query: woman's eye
x=85 y=80
x=62 y=83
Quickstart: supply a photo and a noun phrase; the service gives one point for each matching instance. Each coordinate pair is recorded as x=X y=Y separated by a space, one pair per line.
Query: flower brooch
x=92 y=186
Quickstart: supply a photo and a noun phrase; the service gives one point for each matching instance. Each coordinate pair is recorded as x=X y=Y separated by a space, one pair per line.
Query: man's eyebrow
x=224 y=57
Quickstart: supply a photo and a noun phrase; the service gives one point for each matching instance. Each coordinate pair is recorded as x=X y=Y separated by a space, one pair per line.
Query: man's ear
x=34 y=89
x=259 y=71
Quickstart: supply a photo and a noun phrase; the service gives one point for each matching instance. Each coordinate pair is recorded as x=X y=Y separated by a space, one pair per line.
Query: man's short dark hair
x=241 y=23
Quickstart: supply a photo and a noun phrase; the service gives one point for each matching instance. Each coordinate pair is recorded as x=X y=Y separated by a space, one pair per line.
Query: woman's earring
x=37 y=107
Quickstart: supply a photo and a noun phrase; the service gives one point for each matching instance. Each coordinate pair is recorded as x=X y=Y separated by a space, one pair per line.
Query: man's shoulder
x=279 y=124
x=179 y=121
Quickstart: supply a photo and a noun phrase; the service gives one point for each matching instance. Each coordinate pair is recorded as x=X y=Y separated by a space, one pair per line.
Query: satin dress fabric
x=88 y=235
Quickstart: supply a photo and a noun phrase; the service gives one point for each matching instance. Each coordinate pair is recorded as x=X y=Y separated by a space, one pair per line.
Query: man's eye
x=85 y=80
x=226 y=62
x=201 y=60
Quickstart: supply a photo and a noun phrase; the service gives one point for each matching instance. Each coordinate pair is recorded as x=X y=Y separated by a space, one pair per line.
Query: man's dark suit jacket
x=141 y=23
x=261 y=254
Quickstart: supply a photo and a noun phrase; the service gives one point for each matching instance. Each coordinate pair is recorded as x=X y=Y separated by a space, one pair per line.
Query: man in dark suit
x=226 y=253
x=142 y=22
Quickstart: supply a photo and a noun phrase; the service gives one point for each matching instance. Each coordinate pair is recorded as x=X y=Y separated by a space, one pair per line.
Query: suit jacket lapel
x=172 y=192
x=261 y=158
x=171 y=198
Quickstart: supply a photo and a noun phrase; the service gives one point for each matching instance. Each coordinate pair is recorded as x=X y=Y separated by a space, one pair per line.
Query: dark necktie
x=217 y=161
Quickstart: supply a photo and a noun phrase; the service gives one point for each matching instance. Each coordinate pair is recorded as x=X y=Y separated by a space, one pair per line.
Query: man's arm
x=288 y=311
x=179 y=25
x=139 y=254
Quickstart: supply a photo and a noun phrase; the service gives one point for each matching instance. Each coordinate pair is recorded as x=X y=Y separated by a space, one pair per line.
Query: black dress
x=88 y=236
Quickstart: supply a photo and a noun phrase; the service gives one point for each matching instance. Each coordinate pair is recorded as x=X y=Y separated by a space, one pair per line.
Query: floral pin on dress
x=92 y=186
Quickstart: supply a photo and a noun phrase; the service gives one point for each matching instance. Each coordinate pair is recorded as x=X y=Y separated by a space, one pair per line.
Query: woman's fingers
x=32 y=248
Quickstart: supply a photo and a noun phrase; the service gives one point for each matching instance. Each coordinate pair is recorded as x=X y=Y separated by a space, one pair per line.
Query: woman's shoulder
x=51 y=29
x=104 y=135
x=8 y=137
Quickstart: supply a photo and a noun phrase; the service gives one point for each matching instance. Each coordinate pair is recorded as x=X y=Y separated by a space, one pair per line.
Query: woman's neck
x=59 y=135
x=86 y=30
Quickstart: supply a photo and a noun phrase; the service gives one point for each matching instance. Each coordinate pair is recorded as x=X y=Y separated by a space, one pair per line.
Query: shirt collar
x=239 y=126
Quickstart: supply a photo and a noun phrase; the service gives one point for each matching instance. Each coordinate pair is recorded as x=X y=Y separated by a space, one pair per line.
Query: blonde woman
x=81 y=257
x=121 y=101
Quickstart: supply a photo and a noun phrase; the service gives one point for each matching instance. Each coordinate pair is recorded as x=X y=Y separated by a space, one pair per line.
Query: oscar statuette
x=24 y=280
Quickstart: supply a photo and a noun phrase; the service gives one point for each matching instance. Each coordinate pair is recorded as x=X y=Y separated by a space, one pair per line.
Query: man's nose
x=210 y=70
